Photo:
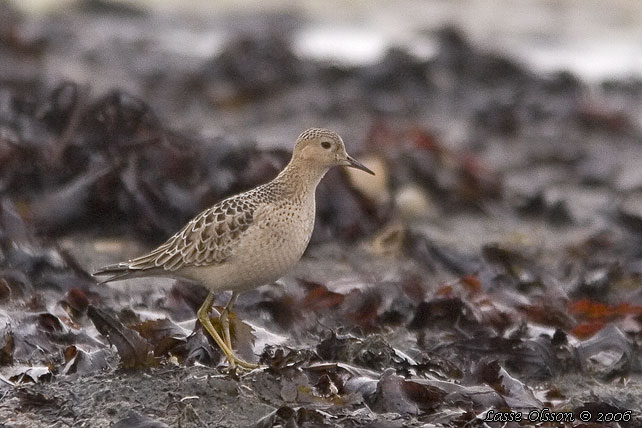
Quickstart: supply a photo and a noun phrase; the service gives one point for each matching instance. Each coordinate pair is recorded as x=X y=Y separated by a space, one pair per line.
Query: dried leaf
x=156 y=331
x=319 y=297
x=80 y=361
x=24 y=373
x=134 y=351
x=399 y=395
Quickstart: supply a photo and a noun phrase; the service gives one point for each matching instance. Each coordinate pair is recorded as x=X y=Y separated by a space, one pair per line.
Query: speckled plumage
x=263 y=231
x=252 y=238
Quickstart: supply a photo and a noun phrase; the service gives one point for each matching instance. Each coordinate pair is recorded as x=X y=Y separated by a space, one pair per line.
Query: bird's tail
x=117 y=271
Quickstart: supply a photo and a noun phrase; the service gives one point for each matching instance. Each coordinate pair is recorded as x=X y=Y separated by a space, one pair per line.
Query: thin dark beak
x=353 y=163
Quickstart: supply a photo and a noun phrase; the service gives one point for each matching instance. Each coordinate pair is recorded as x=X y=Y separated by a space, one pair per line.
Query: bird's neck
x=301 y=178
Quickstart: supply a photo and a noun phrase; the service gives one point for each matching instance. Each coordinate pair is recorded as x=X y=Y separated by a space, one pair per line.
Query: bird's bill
x=353 y=163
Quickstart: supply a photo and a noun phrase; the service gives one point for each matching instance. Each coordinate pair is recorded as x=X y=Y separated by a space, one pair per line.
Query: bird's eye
x=326 y=145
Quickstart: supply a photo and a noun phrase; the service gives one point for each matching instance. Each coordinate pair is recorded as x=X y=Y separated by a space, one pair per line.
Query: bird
x=249 y=239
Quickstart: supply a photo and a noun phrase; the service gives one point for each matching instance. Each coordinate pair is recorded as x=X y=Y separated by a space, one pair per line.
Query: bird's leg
x=225 y=319
x=203 y=315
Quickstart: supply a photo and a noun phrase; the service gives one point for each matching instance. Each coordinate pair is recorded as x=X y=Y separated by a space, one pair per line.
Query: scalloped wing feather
x=210 y=238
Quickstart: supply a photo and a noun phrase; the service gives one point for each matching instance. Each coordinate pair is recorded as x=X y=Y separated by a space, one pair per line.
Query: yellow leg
x=225 y=319
x=204 y=317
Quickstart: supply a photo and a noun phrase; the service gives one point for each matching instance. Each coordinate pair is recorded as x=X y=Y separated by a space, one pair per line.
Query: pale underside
x=242 y=242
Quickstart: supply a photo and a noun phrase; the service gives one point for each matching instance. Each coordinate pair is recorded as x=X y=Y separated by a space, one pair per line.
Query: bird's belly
x=268 y=253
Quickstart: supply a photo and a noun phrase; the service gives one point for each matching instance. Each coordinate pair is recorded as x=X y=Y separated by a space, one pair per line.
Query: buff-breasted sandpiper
x=249 y=239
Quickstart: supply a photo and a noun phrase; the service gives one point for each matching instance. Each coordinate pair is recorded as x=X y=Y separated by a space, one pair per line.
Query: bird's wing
x=208 y=239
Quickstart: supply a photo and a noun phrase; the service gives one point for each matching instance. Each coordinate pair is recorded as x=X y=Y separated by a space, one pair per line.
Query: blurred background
x=146 y=39
x=594 y=41
x=491 y=89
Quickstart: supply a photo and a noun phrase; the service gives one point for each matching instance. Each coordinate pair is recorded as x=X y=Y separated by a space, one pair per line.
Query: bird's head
x=317 y=147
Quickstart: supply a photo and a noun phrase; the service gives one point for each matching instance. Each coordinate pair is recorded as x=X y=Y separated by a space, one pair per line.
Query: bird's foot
x=224 y=344
x=238 y=363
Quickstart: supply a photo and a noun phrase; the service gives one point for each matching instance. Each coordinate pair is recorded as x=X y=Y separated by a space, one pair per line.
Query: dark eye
x=326 y=144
